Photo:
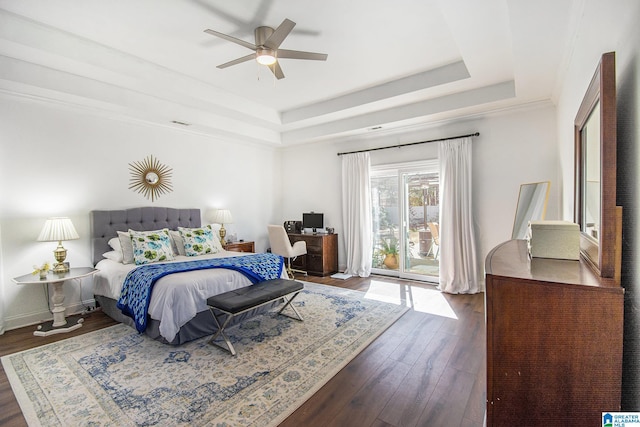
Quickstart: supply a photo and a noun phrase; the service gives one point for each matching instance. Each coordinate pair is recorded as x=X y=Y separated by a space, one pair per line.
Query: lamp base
x=222 y=233
x=60 y=254
x=60 y=267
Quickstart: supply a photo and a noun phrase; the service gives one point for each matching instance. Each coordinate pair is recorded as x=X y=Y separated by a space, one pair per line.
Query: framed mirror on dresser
x=595 y=209
x=555 y=326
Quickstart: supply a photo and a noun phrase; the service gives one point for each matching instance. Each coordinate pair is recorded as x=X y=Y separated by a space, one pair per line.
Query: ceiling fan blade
x=237 y=61
x=232 y=39
x=278 y=36
x=276 y=70
x=221 y=13
x=299 y=54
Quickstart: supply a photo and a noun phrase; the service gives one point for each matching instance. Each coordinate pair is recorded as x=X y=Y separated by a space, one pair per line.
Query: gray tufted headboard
x=106 y=224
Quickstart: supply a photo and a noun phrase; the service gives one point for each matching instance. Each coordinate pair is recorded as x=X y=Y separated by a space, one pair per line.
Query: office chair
x=281 y=245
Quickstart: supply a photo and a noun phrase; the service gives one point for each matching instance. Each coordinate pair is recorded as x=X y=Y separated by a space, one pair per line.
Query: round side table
x=60 y=323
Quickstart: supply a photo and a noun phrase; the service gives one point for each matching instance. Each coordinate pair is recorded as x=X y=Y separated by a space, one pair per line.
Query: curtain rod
x=410 y=143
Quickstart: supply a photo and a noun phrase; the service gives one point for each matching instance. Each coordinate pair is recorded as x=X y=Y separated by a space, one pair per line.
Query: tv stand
x=322 y=253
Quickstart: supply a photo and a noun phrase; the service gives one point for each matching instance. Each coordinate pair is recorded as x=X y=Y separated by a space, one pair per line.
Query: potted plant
x=389 y=250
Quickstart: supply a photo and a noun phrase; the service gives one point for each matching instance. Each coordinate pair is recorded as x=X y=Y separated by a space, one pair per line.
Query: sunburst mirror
x=150 y=177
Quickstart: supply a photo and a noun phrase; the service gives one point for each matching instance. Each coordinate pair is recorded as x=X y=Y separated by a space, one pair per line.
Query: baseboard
x=35 y=318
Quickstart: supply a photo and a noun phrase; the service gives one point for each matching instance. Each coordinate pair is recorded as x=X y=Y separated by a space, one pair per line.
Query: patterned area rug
x=117 y=377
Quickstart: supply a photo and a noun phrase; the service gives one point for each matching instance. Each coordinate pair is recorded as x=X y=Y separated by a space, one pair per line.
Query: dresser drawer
x=240 y=247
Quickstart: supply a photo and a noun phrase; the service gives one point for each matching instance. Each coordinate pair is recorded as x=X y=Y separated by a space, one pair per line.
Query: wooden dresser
x=322 y=254
x=554 y=340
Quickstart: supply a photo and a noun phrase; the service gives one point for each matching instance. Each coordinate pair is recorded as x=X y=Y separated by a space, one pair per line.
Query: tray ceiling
x=391 y=65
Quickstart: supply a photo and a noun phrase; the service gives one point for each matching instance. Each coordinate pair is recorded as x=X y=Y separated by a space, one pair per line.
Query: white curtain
x=458 y=260
x=356 y=213
x=2 y=321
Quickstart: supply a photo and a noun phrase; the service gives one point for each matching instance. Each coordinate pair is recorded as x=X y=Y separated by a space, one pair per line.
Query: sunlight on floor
x=420 y=299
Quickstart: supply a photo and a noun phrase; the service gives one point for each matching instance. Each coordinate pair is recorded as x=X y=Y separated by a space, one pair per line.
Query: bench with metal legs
x=233 y=303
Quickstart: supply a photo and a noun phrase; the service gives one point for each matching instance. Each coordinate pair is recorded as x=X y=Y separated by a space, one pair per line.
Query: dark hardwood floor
x=427 y=369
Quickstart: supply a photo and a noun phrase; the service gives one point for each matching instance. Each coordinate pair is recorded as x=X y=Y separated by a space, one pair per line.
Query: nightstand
x=240 y=247
x=60 y=323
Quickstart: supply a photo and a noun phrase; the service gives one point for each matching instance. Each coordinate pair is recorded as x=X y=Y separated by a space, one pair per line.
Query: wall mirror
x=595 y=209
x=150 y=177
x=532 y=206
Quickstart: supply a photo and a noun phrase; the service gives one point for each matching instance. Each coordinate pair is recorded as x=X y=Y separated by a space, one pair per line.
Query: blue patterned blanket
x=136 y=290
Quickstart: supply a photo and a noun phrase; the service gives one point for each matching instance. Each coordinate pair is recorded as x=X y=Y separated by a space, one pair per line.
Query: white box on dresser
x=554 y=239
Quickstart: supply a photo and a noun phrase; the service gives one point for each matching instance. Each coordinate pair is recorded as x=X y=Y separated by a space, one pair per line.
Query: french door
x=405 y=212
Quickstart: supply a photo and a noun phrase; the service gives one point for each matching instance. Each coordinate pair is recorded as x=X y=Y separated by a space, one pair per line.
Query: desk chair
x=281 y=245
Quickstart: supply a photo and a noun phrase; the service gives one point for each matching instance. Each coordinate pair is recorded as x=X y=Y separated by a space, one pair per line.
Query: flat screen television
x=313 y=220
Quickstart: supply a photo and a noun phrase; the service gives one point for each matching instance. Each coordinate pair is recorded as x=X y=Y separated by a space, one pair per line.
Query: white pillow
x=113 y=256
x=114 y=243
x=177 y=243
x=151 y=246
x=127 y=247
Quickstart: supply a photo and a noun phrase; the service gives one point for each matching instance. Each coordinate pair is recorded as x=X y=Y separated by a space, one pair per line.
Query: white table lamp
x=222 y=217
x=57 y=230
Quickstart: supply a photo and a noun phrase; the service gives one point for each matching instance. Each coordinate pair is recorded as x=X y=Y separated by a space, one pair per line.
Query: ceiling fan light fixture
x=265 y=56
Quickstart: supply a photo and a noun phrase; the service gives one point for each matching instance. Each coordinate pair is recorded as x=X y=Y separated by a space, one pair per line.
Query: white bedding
x=176 y=298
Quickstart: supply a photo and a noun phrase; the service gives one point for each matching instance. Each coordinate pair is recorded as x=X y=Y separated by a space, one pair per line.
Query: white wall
x=602 y=28
x=612 y=26
x=58 y=161
x=514 y=147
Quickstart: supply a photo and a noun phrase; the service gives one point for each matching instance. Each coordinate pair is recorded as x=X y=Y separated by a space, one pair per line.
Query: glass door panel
x=385 y=220
x=421 y=218
x=405 y=208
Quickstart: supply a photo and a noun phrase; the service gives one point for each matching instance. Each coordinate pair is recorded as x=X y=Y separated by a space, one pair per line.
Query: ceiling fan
x=266 y=48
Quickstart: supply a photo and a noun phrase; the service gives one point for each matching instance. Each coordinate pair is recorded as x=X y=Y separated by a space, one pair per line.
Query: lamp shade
x=58 y=229
x=222 y=216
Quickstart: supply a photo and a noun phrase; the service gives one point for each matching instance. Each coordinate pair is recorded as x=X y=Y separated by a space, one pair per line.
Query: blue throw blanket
x=136 y=290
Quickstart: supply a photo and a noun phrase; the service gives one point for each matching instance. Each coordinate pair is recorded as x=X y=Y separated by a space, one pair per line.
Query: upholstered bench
x=233 y=303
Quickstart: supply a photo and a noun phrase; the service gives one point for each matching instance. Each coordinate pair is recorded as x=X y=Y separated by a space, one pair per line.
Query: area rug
x=117 y=377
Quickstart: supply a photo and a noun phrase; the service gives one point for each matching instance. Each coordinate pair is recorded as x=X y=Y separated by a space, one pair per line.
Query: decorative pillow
x=151 y=246
x=198 y=241
x=127 y=247
x=113 y=256
x=176 y=242
x=215 y=230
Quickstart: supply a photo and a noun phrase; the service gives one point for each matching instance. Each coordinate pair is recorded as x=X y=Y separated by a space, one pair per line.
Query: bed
x=177 y=310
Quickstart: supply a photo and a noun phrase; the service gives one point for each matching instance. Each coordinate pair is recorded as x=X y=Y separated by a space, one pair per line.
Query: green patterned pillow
x=151 y=246
x=198 y=241
x=215 y=230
